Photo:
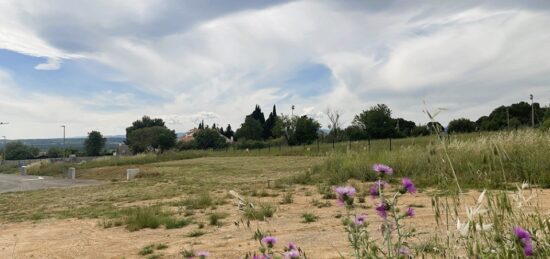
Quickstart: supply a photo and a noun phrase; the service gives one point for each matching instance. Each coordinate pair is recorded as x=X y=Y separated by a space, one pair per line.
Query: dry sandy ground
x=74 y=238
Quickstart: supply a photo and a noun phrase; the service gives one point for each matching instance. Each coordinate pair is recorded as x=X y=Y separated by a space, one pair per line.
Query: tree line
x=152 y=135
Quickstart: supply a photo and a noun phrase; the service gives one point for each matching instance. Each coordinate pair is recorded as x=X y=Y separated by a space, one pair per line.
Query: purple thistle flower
x=381 y=209
x=410 y=212
x=203 y=254
x=528 y=248
x=360 y=220
x=344 y=195
x=521 y=233
x=270 y=241
x=382 y=169
x=408 y=185
x=525 y=239
x=292 y=246
x=292 y=254
x=405 y=251
x=376 y=187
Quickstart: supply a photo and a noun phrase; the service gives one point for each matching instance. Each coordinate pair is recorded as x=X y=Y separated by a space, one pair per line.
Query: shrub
x=309 y=217
x=263 y=212
x=215 y=218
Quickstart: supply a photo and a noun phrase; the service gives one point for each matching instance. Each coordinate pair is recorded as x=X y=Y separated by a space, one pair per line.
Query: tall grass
x=489 y=161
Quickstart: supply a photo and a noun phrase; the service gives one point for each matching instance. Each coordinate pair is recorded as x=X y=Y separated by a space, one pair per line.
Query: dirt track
x=15 y=183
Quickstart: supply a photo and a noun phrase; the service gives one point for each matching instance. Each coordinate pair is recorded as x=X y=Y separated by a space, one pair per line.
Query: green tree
x=17 y=150
x=94 y=144
x=435 y=127
x=404 y=127
x=462 y=125
x=251 y=129
x=55 y=152
x=420 y=131
x=209 y=138
x=270 y=124
x=229 y=132
x=355 y=133
x=150 y=133
x=145 y=122
x=376 y=122
x=306 y=130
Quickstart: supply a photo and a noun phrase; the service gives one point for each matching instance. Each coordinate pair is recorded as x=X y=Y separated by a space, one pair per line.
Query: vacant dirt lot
x=76 y=222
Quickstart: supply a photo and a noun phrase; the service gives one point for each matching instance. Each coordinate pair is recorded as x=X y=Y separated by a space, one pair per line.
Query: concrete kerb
x=23 y=170
x=71 y=173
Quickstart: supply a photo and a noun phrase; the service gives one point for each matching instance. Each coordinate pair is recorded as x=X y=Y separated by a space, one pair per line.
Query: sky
x=100 y=65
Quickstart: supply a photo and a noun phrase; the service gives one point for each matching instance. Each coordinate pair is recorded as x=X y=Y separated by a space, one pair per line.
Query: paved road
x=15 y=183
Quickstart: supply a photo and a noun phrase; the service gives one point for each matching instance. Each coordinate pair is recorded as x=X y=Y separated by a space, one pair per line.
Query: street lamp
x=63 y=126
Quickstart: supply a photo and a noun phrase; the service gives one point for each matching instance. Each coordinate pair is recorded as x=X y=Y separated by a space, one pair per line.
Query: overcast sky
x=99 y=65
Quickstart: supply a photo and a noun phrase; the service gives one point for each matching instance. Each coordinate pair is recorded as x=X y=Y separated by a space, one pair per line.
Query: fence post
x=369 y=143
x=318 y=150
x=390 y=143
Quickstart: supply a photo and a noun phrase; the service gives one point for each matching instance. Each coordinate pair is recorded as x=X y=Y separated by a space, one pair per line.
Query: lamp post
x=64 y=151
x=4 y=155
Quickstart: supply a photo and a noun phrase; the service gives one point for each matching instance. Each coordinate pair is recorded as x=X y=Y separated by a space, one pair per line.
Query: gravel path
x=16 y=183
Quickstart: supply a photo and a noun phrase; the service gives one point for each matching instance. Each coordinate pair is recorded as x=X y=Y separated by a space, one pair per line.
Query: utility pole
x=4 y=155
x=532 y=111
x=64 y=151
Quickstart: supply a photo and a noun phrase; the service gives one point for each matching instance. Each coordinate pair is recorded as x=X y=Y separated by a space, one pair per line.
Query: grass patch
x=287 y=198
x=263 y=212
x=147 y=250
x=214 y=219
x=172 y=223
x=196 y=233
x=201 y=201
x=151 y=217
x=309 y=217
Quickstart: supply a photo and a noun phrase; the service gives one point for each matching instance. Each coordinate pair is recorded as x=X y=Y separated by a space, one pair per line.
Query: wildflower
x=262 y=256
x=292 y=254
x=408 y=185
x=382 y=169
x=382 y=208
x=292 y=246
x=376 y=187
x=344 y=195
x=360 y=220
x=269 y=241
x=525 y=240
x=202 y=254
x=405 y=251
x=410 y=212
x=462 y=228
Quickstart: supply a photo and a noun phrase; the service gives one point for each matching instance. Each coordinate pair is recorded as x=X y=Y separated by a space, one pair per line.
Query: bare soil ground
x=325 y=238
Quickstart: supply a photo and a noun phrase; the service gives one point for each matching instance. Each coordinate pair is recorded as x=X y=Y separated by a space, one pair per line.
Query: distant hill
x=77 y=142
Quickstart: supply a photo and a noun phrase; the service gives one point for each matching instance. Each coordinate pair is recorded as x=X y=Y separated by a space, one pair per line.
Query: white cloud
x=466 y=57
